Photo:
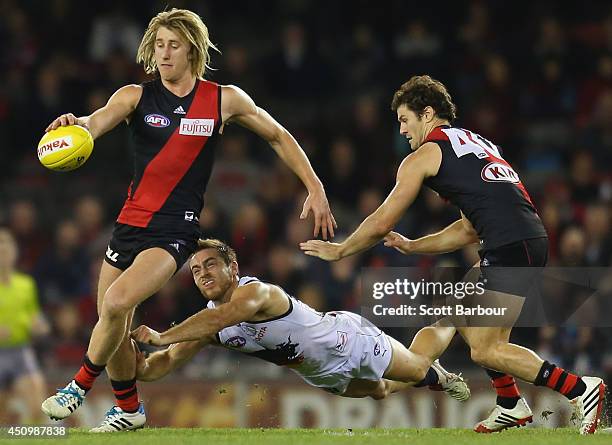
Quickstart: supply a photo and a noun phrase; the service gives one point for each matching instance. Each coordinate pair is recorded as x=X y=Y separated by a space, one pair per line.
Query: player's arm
x=118 y=108
x=455 y=236
x=238 y=107
x=245 y=302
x=413 y=170
x=162 y=363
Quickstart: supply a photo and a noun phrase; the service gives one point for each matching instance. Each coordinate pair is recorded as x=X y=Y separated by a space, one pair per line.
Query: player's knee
x=481 y=355
x=115 y=305
x=419 y=373
x=419 y=366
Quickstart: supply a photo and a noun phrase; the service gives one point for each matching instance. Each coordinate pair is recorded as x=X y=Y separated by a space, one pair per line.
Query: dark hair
x=422 y=91
x=226 y=252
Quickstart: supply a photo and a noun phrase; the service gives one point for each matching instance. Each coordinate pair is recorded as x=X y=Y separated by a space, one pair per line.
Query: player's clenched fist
x=145 y=334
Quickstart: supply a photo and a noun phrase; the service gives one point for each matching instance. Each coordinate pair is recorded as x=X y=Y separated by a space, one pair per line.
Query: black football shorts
x=515 y=267
x=128 y=241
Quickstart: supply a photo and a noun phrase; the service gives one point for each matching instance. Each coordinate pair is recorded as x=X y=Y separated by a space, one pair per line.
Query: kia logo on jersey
x=157 y=120
x=498 y=172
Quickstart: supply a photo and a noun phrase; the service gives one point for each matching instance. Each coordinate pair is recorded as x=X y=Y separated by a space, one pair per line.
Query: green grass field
x=201 y=436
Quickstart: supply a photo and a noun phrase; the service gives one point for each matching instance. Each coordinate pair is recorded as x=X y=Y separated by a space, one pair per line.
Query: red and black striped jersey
x=474 y=176
x=174 y=141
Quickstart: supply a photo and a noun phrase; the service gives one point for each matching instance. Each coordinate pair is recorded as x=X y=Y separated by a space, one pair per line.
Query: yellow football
x=65 y=148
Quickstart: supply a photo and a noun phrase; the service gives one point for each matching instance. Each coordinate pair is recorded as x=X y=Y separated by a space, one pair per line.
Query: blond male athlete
x=175 y=121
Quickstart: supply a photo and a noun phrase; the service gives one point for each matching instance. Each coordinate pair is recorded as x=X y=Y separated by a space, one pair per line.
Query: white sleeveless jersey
x=315 y=345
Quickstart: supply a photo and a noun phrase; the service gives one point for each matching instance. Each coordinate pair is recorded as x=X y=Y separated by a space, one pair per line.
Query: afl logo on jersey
x=235 y=342
x=156 y=120
x=498 y=172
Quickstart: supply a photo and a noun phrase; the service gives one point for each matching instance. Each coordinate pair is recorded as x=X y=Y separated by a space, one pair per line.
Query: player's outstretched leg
x=407 y=366
x=126 y=292
x=430 y=342
x=69 y=398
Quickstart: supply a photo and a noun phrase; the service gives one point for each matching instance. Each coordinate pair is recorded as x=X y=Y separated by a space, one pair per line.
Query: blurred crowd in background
x=535 y=78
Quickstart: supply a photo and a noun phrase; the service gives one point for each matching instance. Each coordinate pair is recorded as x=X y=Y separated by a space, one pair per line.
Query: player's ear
x=234 y=268
x=428 y=113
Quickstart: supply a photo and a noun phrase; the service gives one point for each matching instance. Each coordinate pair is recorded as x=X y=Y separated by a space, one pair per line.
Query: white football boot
x=451 y=384
x=64 y=402
x=118 y=420
x=588 y=406
x=502 y=418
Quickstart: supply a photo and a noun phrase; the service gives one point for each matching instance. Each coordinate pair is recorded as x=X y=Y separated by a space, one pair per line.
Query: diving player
x=340 y=352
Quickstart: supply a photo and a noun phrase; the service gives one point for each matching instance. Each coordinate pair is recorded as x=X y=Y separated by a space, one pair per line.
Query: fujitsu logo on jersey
x=197 y=127
x=55 y=145
x=498 y=172
x=156 y=120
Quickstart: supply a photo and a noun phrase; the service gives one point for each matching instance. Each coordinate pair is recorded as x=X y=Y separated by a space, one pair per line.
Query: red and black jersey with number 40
x=174 y=142
x=474 y=176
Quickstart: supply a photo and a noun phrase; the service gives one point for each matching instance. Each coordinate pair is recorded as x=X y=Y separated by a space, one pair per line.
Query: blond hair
x=226 y=252
x=190 y=27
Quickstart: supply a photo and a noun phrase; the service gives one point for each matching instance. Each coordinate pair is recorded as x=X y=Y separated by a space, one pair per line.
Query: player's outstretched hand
x=324 y=219
x=322 y=249
x=399 y=242
x=66 y=119
x=145 y=334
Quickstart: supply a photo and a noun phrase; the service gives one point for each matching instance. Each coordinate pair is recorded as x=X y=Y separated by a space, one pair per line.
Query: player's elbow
x=382 y=227
x=278 y=138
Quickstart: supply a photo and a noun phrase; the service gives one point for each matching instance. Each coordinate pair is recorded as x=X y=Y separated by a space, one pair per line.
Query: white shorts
x=359 y=350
